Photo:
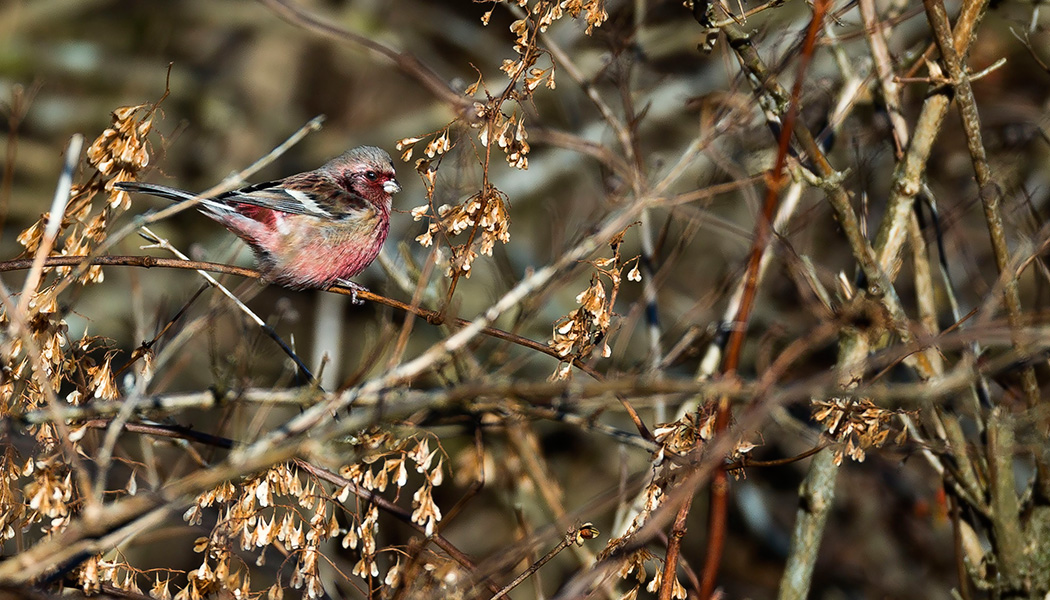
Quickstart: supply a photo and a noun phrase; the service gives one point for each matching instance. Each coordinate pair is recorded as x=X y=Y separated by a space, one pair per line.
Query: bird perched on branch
x=310 y=230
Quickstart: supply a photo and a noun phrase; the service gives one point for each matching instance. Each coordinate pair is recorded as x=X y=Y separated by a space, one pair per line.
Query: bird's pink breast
x=326 y=253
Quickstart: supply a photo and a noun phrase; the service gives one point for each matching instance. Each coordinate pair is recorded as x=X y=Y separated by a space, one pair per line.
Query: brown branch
x=674 y=548
x=990 y=192
x=779 y=462
x=173 y=263
x=432 y=317
x=168 y=431
x=21 y=264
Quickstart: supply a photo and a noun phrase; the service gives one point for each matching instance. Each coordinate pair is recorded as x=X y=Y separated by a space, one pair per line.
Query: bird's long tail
x=153 y=189
x=207 y=206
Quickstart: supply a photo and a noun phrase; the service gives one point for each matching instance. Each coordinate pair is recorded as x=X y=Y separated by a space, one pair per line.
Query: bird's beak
x=391 y=186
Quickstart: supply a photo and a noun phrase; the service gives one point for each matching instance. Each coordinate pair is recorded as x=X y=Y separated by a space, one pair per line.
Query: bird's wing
x=284 y=195
x=273 y=195
x=304 y=194
x=269 y=194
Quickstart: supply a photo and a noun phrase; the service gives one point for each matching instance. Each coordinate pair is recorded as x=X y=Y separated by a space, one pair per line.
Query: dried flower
x=855 y=425
x=584 y=331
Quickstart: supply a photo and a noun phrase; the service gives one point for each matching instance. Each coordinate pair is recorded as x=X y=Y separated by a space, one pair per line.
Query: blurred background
x=240 y=80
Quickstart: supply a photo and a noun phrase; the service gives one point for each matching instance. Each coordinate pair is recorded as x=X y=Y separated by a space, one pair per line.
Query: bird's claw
x=354 y=289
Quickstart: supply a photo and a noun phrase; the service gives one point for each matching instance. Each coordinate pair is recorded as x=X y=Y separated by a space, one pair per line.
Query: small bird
x=310 y=230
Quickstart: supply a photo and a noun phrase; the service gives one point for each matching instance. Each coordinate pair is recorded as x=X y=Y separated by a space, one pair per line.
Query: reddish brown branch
x=674 y=548
x=432 y=317
x=21 y=264
x=763 y=229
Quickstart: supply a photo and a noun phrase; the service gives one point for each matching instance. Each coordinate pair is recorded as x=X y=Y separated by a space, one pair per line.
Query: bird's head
x=366 y=171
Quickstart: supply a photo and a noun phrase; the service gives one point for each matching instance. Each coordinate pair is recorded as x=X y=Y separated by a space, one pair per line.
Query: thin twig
x=574 y=535
x=763 y=230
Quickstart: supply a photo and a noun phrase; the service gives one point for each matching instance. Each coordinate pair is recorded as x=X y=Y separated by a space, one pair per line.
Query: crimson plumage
x=310 y=230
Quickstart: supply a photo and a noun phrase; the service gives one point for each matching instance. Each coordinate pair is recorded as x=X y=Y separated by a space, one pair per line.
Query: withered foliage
x=585 y=330
x=498 y=118
x=580 y=364
x=285 y=511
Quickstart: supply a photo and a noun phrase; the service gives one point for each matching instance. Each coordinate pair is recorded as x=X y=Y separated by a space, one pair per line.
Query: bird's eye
x=372 y=175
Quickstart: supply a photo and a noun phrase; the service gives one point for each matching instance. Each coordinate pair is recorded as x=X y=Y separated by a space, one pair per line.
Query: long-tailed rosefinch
x=309 y=230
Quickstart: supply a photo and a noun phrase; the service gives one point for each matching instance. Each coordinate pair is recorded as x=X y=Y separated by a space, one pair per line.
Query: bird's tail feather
x=206 y=206
x=153 y=189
